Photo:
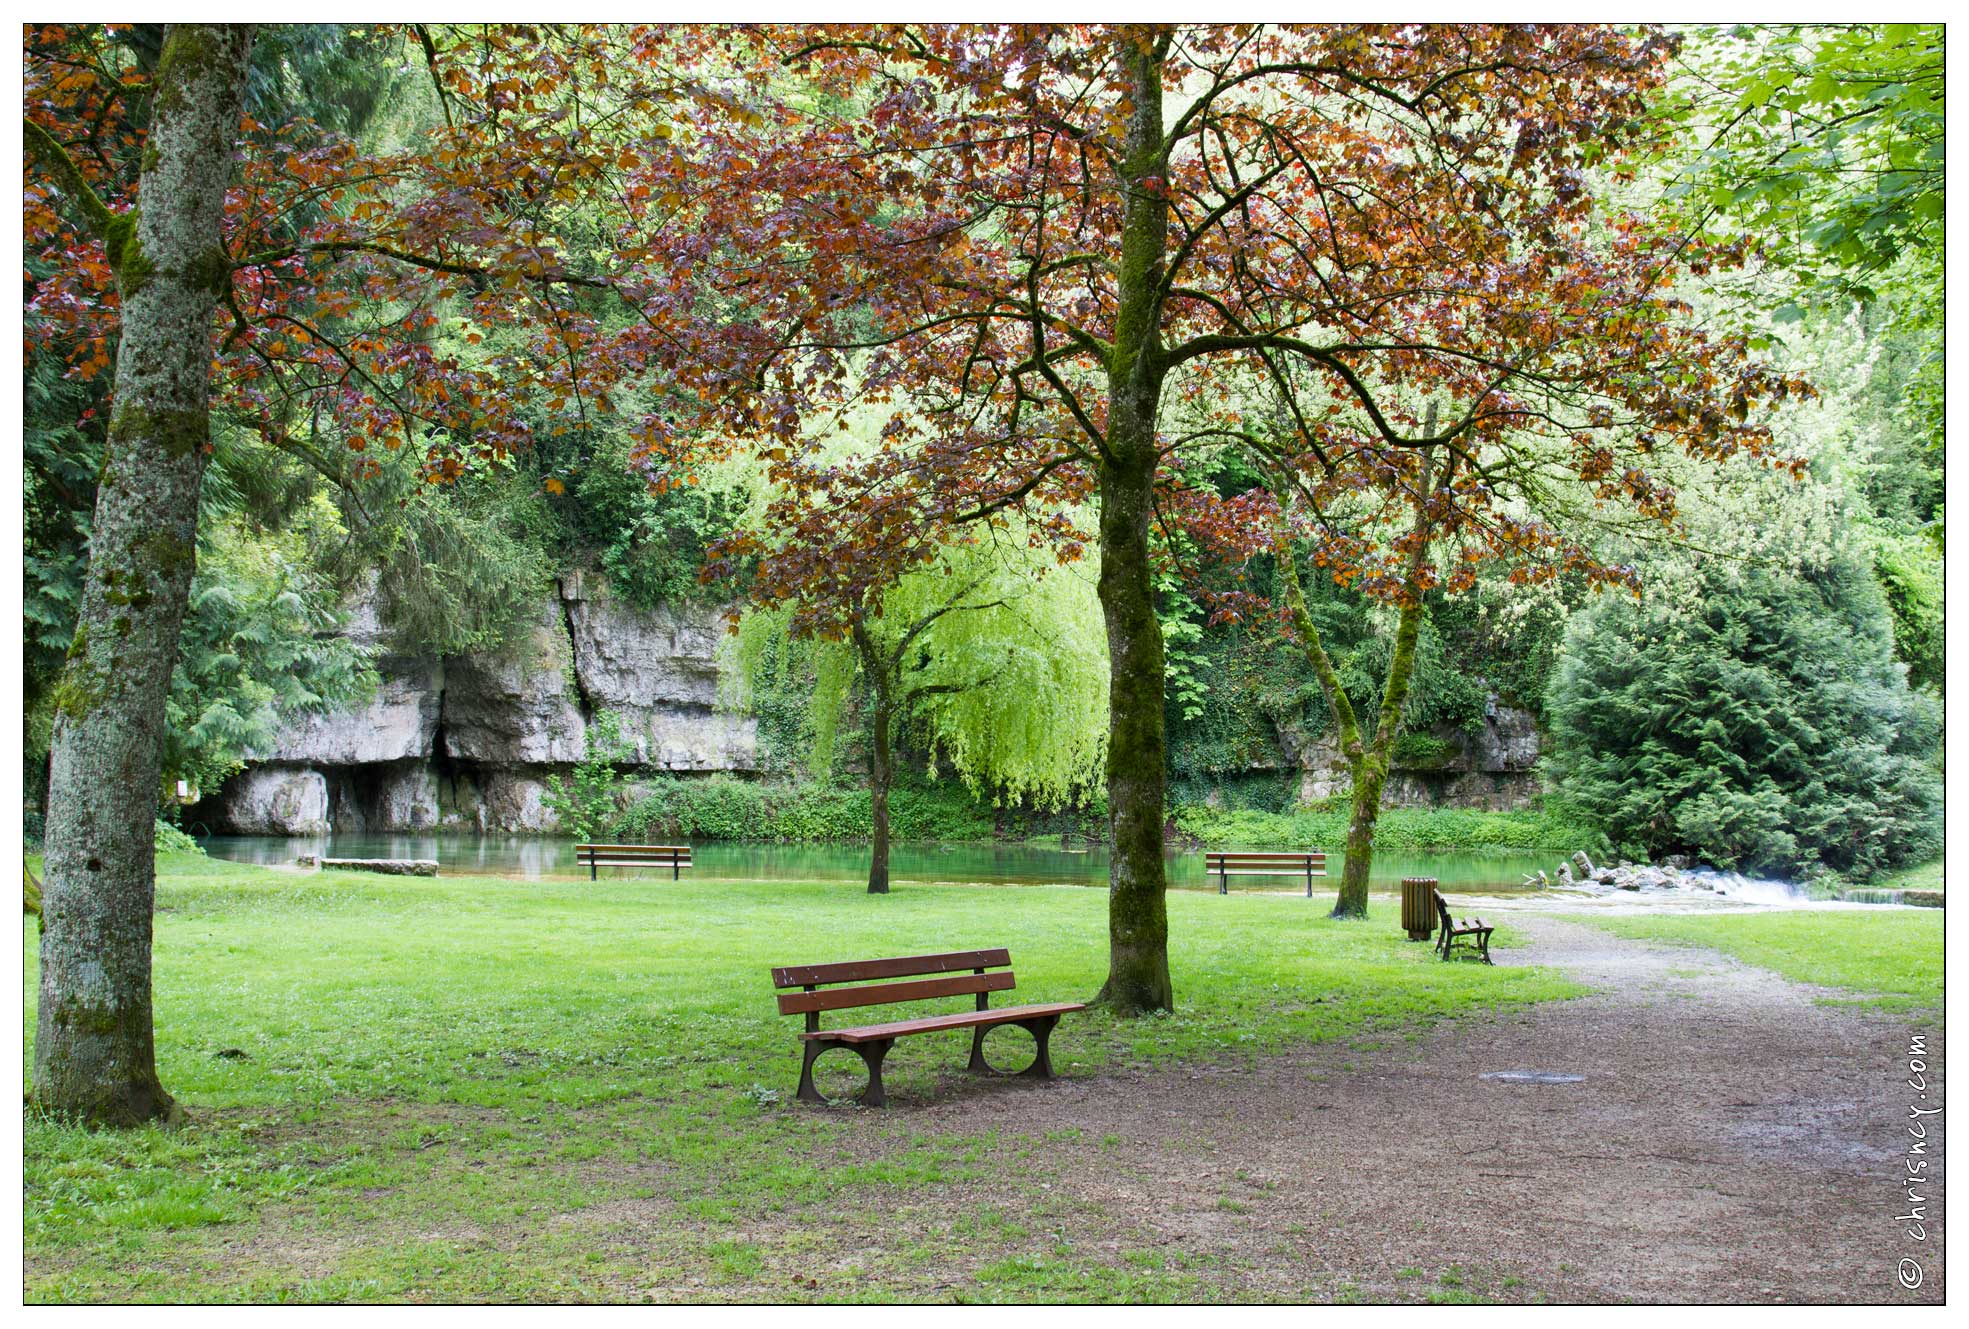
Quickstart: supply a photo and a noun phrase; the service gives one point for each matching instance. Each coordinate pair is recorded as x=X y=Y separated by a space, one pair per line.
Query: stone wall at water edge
x=470 y=742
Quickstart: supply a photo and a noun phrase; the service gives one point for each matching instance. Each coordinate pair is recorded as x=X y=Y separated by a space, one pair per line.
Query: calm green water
x=534 y=857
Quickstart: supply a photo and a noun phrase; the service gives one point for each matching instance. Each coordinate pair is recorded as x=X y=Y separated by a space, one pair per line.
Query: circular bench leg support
x=871 y=1055
x=1041 y=1030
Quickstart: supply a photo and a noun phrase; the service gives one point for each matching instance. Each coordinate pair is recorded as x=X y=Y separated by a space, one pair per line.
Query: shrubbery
x=723 y=808
x=1757 y=718
x=171 y=840
x=1552 y=826
x=589 y=797
x=720 y=808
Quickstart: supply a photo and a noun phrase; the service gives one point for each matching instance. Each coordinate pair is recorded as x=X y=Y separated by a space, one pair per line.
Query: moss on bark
x=1138 y=979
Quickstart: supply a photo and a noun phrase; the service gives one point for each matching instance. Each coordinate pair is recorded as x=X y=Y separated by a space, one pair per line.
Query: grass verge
x=465 y=1089
x=1892 y=958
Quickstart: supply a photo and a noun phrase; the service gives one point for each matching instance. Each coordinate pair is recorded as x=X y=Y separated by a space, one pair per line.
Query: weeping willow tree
x=993 y=656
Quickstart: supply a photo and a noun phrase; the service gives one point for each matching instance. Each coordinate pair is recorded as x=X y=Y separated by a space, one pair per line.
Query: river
x=535 y=857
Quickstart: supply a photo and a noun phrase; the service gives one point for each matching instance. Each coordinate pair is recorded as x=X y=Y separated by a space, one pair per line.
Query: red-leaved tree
x=243 y=268
x=1066 y=254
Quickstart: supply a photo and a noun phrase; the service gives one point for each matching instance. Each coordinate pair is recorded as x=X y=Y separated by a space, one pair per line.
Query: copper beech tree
x=241 y=268
x=1069 y=254
x=1062 y=253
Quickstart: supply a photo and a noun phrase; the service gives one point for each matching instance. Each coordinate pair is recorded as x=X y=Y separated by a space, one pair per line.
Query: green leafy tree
x=1758 y=719
x=1826 y=142
x=258 y=648
x=1823 y=147
x=993 y=656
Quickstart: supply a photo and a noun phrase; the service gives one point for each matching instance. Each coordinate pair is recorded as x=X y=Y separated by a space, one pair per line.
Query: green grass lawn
x=413 y=1088
x=1926 y=877
x=1891 y=957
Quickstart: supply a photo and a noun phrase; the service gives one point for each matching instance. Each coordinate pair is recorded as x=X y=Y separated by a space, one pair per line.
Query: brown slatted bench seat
x=1307 y=863
x=872 y=1042
x=676 y=857
x=1468 y=932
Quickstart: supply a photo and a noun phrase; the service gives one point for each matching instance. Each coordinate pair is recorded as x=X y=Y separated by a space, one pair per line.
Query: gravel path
x=1732 y=1140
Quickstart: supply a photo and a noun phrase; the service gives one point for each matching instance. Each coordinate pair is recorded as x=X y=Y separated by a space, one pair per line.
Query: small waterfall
x=1747 y=890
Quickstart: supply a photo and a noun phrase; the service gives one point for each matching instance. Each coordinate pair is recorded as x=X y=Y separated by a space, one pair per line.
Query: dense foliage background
x=1772 y=701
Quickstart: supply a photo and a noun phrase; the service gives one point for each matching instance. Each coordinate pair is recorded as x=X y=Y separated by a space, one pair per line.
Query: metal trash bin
x=1419 y=907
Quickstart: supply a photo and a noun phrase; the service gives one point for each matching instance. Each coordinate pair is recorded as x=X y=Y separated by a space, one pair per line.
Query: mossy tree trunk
x=1371 y=771
x=1368 y=759
x=94 y=1057
x=881 y=767
x=1138 y=921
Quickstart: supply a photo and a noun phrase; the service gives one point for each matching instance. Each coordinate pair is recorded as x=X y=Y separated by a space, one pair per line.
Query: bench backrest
x=1442 y=910
x=1298 y=861
x=666 y=854
x=870 y=990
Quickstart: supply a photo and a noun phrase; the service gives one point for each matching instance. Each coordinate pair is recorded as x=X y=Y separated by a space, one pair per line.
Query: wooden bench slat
x=1294 y=871
x=932 y=1023
x=663 y=851
x=885 y=994
x=901 y=966
x=1235 y=860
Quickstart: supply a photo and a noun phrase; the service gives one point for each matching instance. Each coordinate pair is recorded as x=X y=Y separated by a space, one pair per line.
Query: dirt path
x=1732 y=1140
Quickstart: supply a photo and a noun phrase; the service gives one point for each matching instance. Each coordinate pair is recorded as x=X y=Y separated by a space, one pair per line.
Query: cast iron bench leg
x=1041 y=1030
x=806 y=1092
x=872 y=1054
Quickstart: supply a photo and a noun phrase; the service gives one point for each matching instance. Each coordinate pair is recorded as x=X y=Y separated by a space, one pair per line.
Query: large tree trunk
x=1371 y=769
x=93 y=1052
x=879 y=768
x=1138 y=920
x=880 y=764
x=1371 y=772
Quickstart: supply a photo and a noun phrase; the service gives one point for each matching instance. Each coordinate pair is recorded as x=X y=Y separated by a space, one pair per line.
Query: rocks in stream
x=1673 y=874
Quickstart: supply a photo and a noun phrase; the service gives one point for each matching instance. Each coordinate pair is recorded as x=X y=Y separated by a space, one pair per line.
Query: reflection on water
x=534 y=857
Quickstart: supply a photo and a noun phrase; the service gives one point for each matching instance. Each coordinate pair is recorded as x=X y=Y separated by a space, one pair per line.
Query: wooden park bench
x=676 y=857
x=872 y=1042
x=1300 y=863
x=1468 y=932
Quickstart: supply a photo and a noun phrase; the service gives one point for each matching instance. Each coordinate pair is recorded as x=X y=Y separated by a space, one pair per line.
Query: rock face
x=398 y=723
x=276 y=800
x=475 y=742
x=659 y=672
x=523 y=708
x=1493 y=768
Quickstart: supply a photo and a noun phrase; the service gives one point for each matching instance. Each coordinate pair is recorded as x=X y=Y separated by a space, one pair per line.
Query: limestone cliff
x=469 y=742
x=1494 y=767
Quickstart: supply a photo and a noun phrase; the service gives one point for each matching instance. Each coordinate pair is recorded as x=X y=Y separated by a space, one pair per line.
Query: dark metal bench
x=1467 y=933
x=676 y=857
x=1299 y=863
x=872 y=1042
